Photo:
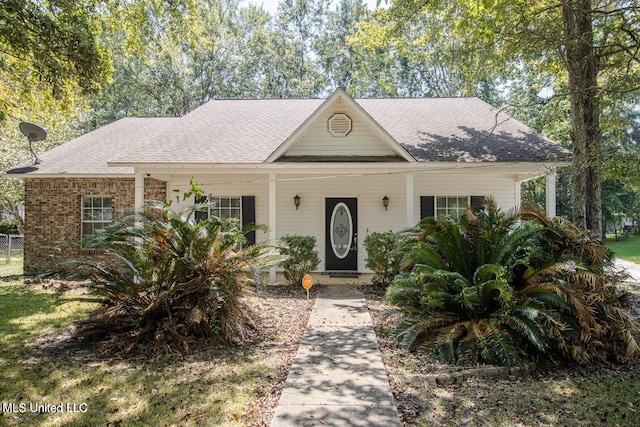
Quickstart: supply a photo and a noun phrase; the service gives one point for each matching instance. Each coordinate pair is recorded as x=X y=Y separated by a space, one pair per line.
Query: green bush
x=173 y=282
x=8 y=227
x=384 y=256
x=301 y=257
x=505 y=289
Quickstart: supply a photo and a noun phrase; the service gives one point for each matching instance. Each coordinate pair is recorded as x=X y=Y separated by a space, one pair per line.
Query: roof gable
x=340 y=130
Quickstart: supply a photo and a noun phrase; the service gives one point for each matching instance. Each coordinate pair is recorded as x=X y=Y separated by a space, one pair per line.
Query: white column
x=139 y=192
x=138 y=202
x=409 y=187
x=551 y=195
x=518 y=194
x=272 y=219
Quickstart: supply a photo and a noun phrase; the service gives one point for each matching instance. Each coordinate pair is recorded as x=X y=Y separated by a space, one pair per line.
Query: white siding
x=227 y=186
x=500 y=187
x=362 y=141
x=309 y=219
x=368 y=188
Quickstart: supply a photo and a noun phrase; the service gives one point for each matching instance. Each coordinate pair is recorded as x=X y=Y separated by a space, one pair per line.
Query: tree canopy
x=567 y=68
x=584 y=51
x=49 y=45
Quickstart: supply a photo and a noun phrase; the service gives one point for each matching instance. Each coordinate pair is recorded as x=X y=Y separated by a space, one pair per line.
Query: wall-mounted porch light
x=296 y=201
x=385 y=202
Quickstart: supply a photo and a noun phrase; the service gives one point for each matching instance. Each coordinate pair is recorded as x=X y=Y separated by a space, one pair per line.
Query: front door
x=341 y=234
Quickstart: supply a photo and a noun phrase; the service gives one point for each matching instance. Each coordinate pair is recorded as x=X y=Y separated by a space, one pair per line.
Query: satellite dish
x=33 y=133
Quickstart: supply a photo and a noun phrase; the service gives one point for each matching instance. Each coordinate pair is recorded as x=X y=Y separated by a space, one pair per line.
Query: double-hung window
x=221 y=207
x=240 y=208
x=451 y=206
x=455 y=206
x=97 y=213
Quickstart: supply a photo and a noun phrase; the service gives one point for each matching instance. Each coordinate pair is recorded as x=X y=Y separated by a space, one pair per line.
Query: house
x=336 y=168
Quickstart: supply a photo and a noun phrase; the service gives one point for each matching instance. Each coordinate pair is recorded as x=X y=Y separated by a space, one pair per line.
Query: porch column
x=138 y=205
x=272 y=219
x=138 y=192
x=409 y=187
x=518 y=194
x=550 y=193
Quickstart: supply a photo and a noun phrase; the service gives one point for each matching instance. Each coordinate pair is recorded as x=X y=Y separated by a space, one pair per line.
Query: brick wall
x=53 y=215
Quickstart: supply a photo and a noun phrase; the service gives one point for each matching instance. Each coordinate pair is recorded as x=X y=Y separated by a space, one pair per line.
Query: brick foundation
x=53 y=215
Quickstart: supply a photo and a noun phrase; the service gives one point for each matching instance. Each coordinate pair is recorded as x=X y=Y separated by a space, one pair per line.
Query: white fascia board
x=524 y=170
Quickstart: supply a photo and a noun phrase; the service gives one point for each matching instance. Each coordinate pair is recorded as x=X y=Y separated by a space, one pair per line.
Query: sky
x=271 y=5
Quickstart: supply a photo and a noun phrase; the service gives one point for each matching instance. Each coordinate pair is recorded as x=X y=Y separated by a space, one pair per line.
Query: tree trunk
x=582 y=65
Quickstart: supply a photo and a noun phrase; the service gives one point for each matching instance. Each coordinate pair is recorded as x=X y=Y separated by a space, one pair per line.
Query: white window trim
x=219 y=208
x=84 y=221
x=437 y=210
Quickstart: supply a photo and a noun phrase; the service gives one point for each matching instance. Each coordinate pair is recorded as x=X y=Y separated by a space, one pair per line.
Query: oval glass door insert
x=341 y=230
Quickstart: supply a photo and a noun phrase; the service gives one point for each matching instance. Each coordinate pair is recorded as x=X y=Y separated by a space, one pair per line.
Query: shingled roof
x=89 y=153
x=249 y=131
x=460 y=130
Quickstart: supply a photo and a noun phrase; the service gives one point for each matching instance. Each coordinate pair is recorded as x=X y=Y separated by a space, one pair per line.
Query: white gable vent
x=339 y=125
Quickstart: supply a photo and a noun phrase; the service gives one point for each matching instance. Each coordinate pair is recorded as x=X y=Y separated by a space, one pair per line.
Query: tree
x=61 y=123
x=426 y=60
x=299 y=23
x=49 y=45
x=168 y=59
x=620 y=202
x=587 y=51
x=49 y=59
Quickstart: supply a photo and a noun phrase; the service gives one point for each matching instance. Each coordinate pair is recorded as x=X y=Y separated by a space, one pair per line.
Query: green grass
x=13 y=268
x=628 y=249
x=214 y=386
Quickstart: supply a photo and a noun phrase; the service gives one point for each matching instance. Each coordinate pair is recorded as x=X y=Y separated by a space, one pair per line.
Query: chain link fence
x=11 y=248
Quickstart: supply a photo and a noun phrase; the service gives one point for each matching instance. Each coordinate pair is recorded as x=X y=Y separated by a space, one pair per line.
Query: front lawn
x=628 y=249
x=13 y=268
x=578 y=396
x=226 y=386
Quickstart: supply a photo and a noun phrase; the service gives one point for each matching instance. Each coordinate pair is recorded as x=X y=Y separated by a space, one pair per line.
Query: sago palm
x=491 y=287
x=176 y=281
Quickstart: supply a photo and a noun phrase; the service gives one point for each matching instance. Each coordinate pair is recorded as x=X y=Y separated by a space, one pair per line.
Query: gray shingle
x=88 y=154
x=248 y=131
x=460 y=130
x=226 y=131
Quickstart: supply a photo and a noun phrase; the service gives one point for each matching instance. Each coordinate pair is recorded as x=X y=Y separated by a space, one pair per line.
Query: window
x=451 y=206
x=243 y=209
x=221 y=207
x=432 y=206
x=97 y=213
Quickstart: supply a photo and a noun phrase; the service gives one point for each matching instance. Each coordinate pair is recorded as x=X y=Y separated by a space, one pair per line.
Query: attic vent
x=339 y=125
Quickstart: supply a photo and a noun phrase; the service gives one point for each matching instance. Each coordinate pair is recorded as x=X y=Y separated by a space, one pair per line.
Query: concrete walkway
x=337 y=377
x=631 y=268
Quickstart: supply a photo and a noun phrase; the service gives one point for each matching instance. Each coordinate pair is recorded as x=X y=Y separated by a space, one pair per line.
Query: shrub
x=8 y=227
x=383 y=256
x=179 y=281
x=504 y=289
x=301 y=257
